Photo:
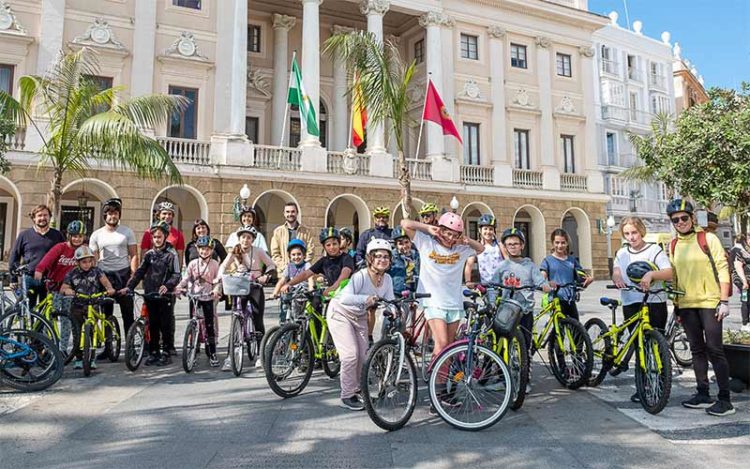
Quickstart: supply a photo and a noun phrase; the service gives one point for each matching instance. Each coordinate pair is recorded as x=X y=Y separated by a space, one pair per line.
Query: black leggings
x=159 y=324
x=257 y=296
x=657 y=314
x=704 y=333
x=570 y=309
x=208 y=319
x=119 y=280
x=745 y=310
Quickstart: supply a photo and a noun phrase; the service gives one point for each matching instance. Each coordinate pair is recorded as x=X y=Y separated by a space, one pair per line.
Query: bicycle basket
x=236 y=285
x=507 y=317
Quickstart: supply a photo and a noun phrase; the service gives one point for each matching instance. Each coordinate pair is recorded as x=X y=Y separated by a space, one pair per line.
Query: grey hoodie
x=520 y=273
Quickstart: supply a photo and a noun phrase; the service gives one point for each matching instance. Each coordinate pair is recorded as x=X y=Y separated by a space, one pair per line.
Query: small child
x=347 y=242
x=201 y=278
x=85 y=279
x=335 y=266
x=297 y=250
x=405 y=265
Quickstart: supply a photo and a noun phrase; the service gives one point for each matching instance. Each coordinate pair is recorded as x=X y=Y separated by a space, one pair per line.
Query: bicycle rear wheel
x=189 y=346
x=470 y=393
x=88 y=349
x=22 y=319
x=113 y=337
x=519 y=368
x=68 y=335
x=289 y=361
x=40 y=366
x=389 y=403
x=264 y=343
x=135 y=345
x=571 y=358
x=331 y=363
x=653 y=377
x=236 y=345
x=680 y=346
x=601 y=345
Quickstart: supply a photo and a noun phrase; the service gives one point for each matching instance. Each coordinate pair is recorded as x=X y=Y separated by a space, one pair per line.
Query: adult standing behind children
x=291 y=229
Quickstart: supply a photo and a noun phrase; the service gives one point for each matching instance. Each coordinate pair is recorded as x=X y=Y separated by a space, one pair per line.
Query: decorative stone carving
x=416 y=93
x=258 y=82
x=8 y=21
x=566 y=106
x=379 y=7
x=522 y=98
x=393 y=39
x=283 y=21
x=185 y=47
x=495 y=31
x=338 y=29
x=586 y=51
x=350 y=162
x=677 y=51
x=471 y=90
x=99 y=34
x=543 y=42
x=436 y=18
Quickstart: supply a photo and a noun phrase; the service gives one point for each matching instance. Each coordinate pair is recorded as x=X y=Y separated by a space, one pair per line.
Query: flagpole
x=421 y=122
x=286 y=103
x=349 y=138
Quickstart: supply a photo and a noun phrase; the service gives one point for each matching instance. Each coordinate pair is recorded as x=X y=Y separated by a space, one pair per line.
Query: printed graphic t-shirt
x=441 y=271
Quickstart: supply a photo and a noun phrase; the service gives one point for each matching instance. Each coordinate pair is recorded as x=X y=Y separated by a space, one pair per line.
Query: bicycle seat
x=609 y=302
x=471 y=294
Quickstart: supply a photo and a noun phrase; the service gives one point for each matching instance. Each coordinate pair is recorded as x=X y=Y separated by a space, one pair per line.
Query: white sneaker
x=259 y=363
x=227 y=366
x=745 y=328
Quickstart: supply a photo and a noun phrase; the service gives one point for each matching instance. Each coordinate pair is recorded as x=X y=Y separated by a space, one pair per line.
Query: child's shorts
x=446 y=314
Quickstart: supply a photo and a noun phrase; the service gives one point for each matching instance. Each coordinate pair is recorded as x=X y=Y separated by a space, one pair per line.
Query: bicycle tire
x=189 y=348
x=601 y=345
x=135 y=345
x=680 y=346
x=235 y=346
x=654 y=391
x=331 y=362
x=519 y=368
x=374 y=383
x=426 y=346
x=576 y=376
x=264 y=343
x=285 y=356
x=46 y=353
x=16 y=319
x=88 y=350
x=68 y=335
x=113 y=339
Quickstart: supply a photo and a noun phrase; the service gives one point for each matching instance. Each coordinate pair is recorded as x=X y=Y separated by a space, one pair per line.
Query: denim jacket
x=398 y=271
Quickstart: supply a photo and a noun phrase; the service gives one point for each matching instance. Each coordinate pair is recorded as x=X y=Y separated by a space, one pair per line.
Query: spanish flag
x=359 y=115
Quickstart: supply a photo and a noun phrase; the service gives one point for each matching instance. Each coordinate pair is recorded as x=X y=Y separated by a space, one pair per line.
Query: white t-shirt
x=441 y=271
x=652 y=253
x=259 y=242
x=112 y=247
x=489 y=260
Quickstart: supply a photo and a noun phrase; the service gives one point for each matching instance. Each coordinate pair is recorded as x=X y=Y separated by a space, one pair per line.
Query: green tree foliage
x=7 y=129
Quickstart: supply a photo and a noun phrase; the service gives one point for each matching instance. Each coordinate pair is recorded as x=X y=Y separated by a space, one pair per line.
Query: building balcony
x=477 y=175
x=610 y=67
x=573 y=182
x=187 y=151
x=340 y=162
x=17 y=141
x=622 y=160
x=626 y=115
x=527 y=179
x=418 y=169
x=657 y=81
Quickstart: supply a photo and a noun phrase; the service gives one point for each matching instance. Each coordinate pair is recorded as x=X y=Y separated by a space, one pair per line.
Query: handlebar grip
x=422 y=295
x=612 y=287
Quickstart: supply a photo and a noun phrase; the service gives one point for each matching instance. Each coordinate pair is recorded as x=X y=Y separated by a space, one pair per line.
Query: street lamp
x=454 y=204
x=241 y=200
x=610 y=226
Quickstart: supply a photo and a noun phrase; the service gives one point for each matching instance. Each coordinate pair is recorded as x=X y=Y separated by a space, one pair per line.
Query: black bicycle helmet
x=398 y=233
x=328 y=233
x=638 y=269
x=679 y=205
x=346 y=233
x=160 y=225
x=513 y=232
x=112 y=204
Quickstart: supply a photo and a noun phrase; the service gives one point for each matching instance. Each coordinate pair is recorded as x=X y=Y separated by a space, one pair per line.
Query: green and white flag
x=298 y=96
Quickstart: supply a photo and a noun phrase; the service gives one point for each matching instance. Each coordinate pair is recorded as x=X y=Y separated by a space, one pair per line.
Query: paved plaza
x=164 y=417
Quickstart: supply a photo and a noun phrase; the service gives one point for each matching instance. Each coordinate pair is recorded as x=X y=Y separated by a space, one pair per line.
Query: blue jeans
x=36 y=291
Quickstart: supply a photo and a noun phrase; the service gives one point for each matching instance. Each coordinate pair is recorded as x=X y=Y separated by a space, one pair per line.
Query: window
x=563 y=65
x=568 y=144
x=185 y=124
x=251 y=128
x=469 y=48
x=659 y=104
x=609 y=65
x=253 y=38
x=521 y=148
x=194 y=4
x=6 y=78
x=101 y=84
x=295 y=127
x=518 y=56
x=633 y=68
x=611 y=148
x=419 y=51
x=471 y=143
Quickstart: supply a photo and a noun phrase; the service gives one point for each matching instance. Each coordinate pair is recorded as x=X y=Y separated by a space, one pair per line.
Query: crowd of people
x=431 y=255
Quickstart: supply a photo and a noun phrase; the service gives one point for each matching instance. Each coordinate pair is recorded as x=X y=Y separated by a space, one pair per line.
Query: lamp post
x=454 y=204
x=241 y=200
x=610 y=226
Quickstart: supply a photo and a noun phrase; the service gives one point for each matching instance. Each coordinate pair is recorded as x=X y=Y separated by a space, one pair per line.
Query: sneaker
x=164 y=360
x=619 y=369
x=636 y=398
x=103 y=355
x=227 y=366
x=78 y=365
x=259 y=363
x=699 y=401
x=93 y=364
x=152 y=360
x=352 y=403
x=213 y=361
x=432 y=410
x=721 y=408
x=745 y=328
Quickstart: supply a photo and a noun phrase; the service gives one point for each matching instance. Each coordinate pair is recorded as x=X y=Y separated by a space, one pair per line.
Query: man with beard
x=30 y=247
x=291 y=229
x=115 y=250
x=381 y=231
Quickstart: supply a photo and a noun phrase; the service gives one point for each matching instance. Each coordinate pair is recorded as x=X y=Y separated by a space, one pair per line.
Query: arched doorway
x=189 y=203
x=397 y=214
x=82 y=200
x=577 y=224
x=470 y=215
x=10 y=215
x=350 y=211
x=530 y=221
x=295 y=128
x=269 y=206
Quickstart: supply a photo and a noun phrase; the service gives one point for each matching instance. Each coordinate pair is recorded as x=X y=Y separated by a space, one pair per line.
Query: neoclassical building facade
x=518 y=77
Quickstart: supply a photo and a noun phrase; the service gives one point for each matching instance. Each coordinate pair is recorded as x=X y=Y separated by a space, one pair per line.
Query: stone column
x=51 y=33
x=551 y=173
x=432 y=136
x=375 y=10
x=500 y=160
x=281 y=26
x=311 y=61
x=341 y=112
x=451 y=147
x=590 y=146
x=144 y=44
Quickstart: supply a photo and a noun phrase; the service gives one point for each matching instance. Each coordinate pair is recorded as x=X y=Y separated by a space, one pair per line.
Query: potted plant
x=737 y=351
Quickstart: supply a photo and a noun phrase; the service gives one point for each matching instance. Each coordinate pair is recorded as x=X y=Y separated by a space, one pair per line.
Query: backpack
x=701 y=237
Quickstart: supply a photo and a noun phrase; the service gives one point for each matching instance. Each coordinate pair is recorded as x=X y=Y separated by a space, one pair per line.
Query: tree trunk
x=404 y=179
x=53 y=198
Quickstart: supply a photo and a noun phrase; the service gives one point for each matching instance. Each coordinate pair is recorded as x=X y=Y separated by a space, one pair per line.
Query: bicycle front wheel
x=289 y=361
x=189 y=346
x=36 y=364
x=471 y=389
x=518 y=363
x=113 y=338
x=389 y=399
x=653 y=376
x=236 y=345
x=570 y=354
x=331 y=363
x=264 y=343
x=601 y=345
x=135 y=345
x=680 y=346
x=88 y=350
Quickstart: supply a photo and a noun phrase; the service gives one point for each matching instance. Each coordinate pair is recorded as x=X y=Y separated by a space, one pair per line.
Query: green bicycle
x=97 y=330
x=291 y=351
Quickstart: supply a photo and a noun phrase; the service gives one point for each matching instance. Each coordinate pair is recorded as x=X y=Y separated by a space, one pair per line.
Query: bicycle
x=292 y=306
x=195 y=331
x=291 y=352
x=20 y=315
x=242 y=333
x=29 y=361
x=97 y=329
x=653 y=373
x=139 y=335
x=678 y=343
x=389 y=376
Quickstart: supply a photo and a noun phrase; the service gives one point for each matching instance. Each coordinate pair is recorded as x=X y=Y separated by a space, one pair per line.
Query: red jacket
x=57 y=262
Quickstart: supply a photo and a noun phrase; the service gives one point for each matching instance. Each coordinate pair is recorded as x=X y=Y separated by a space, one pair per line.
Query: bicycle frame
x=554 y=310
x=198 y=316
x=98 y=321
x=25 y=350
x=643 y=325
x=318 y=339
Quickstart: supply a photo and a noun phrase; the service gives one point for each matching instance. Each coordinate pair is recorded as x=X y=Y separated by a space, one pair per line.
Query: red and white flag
x=435 y=111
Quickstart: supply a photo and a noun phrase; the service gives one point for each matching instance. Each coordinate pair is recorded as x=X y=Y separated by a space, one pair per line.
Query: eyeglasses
x=381 y=256
x=681 y=218
x=450 y=234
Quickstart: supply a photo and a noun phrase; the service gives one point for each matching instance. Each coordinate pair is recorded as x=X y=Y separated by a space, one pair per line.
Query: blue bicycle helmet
x=398 y=233
x=487 y=220
x=204 y=241
x=76 y=227
x=679 y=205
x=297 y=243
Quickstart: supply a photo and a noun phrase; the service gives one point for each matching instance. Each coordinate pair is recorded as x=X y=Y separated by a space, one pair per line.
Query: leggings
x=704 y=333
x=657 y=314
x=350 y=338
x=119 y=280
x=257 y=296
x=159 y=324
x=570 y=309
x=208 y=319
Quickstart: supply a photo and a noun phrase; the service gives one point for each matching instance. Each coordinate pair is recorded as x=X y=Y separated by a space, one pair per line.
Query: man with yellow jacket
x=701 y=271
x=291 y=229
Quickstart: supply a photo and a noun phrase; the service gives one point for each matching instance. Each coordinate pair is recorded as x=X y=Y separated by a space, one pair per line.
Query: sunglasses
x=681 y=218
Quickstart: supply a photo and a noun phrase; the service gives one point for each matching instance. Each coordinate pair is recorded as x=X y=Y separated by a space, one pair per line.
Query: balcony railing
x=528 y=179
x=477 y=175
x=186 y=151
x=610 y=66
x=270 y=157
x=624 y=114
x=635 y=74
x=573 y=182
x=657 y=81
x=623 y=160
x=337 y=164
x=17 y=141
x=418 y=169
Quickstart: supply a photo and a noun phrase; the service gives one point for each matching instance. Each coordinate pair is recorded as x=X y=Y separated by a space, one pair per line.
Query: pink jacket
x=200 y=276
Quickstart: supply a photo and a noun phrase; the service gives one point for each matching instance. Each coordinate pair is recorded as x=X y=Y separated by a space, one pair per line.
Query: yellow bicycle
x=97 y=330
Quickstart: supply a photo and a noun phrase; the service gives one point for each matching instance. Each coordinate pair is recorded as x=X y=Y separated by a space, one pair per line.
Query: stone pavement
x=166 y=418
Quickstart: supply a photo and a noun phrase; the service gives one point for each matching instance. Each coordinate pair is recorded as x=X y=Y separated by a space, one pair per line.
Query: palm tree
x=81 y=124
x=384 y=80
x=653 y=168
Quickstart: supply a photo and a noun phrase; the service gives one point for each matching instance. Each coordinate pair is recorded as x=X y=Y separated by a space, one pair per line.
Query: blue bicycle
x=29 y=361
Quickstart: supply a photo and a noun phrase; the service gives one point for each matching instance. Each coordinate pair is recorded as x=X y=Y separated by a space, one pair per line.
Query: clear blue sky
x=714 y=35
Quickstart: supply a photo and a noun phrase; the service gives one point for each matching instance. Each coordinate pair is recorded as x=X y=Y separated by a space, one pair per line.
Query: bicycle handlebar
x=650 y=292
x=149 y=296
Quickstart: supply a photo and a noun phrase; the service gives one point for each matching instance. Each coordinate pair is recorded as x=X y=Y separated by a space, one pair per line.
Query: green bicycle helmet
x=328 y=233
x=76 y=227
x=160 y=225
x=428 y=208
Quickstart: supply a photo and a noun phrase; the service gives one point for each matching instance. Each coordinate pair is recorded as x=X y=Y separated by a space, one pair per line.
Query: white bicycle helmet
x=377 y=244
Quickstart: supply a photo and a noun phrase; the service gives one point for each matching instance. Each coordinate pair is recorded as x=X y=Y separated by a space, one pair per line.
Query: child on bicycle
x=297 y=250
x=562 y=268
x=201 y=278
x=247 y=258
x=348 y=317
x=160 y=273
x=85 y=279
x=405 y=263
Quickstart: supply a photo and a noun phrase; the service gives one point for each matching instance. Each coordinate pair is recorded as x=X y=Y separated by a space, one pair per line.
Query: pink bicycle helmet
x=451 y=221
